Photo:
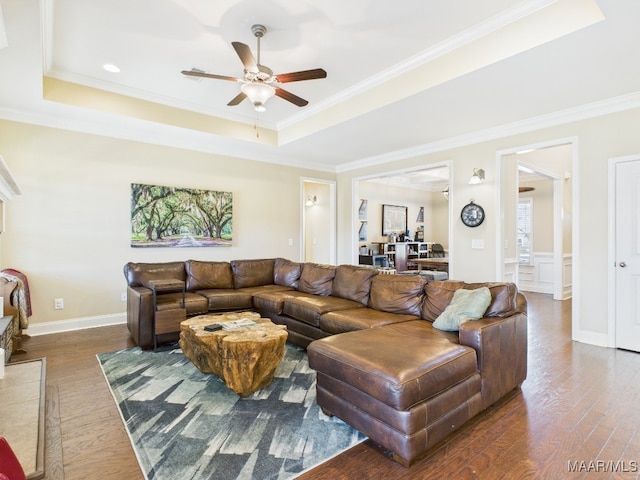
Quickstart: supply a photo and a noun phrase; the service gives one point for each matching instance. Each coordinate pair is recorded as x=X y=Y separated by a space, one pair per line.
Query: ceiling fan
x=259 y=83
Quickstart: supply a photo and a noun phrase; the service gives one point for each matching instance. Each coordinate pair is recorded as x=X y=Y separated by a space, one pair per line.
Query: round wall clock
x=472 y=215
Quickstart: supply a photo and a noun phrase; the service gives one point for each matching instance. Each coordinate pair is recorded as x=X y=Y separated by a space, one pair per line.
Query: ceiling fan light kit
x=259 y=83
x=258 y=94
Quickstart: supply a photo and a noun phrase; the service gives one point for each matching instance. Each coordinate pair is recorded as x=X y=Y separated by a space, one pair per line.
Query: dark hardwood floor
x=576 y=416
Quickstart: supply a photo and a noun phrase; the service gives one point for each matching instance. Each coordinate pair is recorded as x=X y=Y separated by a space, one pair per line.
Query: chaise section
x=405 y=392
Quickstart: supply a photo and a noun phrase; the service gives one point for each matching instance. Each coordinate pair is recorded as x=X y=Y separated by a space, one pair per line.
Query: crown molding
x=582 y=112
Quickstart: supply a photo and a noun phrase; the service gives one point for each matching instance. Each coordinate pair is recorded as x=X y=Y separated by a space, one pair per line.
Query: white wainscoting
x=510 y=270
x=538 y=277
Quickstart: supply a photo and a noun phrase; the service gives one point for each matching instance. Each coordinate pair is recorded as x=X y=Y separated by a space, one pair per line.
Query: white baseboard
x=46 y=328
x=592 y=338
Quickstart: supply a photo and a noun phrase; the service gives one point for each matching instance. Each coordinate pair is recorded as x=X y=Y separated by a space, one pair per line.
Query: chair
x=10 y=467
x=437 y=251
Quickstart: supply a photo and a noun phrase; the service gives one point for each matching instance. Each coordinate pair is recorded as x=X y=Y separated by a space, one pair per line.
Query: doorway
x=318 y=242
x=423 y=190
x=536 y=195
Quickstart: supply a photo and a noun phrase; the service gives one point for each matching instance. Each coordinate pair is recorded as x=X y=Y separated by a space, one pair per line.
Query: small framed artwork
x=362 y=211
x=362 y=233
x=394 y=219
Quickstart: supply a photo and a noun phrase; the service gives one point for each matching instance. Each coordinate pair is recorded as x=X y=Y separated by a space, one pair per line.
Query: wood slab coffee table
x=246 y=358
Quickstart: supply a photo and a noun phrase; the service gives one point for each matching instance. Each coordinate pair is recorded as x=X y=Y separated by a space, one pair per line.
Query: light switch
x=477 y=243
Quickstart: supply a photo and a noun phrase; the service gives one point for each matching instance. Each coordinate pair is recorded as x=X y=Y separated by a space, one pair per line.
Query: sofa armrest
x=140 y=315
x=501 y=348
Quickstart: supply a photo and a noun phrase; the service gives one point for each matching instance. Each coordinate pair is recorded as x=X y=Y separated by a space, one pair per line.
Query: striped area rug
x=188 y=425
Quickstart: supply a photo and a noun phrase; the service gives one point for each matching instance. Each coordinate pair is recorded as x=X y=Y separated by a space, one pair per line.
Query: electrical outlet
x=58 y=303
x=123 y=297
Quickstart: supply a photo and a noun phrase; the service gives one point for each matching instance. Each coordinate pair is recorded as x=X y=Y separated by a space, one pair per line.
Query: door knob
x=622 y=264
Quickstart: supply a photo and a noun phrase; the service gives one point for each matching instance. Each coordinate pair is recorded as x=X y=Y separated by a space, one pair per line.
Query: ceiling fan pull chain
x=255 y=126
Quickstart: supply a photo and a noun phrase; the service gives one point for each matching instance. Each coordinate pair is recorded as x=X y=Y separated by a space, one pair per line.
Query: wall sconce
x=311 y=201
x=477 y=177
x=445 y=192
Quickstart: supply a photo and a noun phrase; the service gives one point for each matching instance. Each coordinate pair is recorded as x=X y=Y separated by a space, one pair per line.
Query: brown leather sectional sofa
x=381 y=365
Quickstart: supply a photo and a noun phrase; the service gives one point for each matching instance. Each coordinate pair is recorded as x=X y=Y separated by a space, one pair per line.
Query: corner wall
x=69 y=230
x=599 y=139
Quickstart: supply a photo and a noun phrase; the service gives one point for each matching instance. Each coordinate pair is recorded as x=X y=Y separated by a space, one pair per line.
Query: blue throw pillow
x=465 y=305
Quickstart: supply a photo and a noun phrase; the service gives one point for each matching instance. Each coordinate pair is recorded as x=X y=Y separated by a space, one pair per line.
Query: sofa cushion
x=272 y=302
x=438 y=295
x=309 y=308
x=503 y=298
x=317 y=279
x=221 y=299
x=252 y=273
x=353 y=283
x=206 y=275
x=194 y=303
x=397 y=293
x=466 y=305
x=286 y=272
x=139 y=274
x=358 y=319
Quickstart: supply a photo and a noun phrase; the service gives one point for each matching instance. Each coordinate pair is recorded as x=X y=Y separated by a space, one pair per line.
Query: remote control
x=213 y=327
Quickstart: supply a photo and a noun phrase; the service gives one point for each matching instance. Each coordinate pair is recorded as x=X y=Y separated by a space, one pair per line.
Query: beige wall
x=598 y=139
x=69 y=230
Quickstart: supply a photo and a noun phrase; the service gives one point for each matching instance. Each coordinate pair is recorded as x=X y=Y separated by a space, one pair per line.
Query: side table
x=167 y=318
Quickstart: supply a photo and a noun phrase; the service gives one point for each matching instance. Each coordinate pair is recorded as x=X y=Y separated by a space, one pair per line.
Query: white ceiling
x=400 y=80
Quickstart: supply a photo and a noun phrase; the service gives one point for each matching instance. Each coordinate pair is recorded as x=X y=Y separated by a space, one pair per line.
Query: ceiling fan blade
x=247 y=58
x=198 y=73
x=237 y=99
x=302 y=75
x=290 y=97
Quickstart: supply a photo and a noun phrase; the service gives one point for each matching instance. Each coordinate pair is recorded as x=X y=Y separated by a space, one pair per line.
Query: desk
x=439 y=264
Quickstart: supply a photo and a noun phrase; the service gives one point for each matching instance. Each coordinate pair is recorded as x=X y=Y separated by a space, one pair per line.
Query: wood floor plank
x=579 y=403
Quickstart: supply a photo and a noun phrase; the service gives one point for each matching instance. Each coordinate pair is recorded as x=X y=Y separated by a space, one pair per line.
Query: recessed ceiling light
x=110 y=67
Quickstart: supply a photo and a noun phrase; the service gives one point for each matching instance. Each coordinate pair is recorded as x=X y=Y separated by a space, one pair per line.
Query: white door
x=627 y=255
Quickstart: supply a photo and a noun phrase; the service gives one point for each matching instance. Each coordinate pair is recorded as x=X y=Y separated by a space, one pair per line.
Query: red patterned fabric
x=9 y=464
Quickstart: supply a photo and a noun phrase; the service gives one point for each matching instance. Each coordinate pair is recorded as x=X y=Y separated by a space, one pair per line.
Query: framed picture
x=362 y=211
x=394 y=219
x=180 y=217
x=362 y=233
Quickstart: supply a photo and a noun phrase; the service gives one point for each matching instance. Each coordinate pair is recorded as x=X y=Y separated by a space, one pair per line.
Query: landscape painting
x=180 y=217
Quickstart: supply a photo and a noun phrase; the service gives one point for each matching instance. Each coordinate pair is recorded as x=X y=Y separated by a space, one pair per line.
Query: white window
x=525 y=224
